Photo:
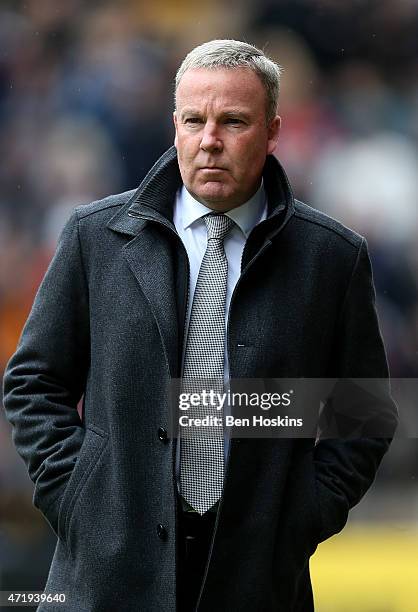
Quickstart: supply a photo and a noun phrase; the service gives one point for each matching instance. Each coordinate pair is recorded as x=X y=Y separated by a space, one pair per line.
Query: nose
x=211 y=141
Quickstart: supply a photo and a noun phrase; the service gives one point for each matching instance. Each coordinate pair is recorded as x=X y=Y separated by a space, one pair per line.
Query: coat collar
x=154 y=198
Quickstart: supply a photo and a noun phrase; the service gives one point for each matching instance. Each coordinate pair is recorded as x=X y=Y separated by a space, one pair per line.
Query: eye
x=193 y=120
x=234 y=121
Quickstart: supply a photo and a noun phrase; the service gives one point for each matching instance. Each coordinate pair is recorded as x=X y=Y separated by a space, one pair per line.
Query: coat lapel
x=149 y=258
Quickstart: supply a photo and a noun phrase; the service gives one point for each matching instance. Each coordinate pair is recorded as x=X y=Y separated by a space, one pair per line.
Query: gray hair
x=236 y=54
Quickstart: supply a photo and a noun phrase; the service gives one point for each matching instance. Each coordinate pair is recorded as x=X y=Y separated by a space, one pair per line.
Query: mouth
x=213 y=169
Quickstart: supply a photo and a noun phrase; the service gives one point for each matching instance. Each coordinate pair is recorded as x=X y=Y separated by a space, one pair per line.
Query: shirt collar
x=246 y=216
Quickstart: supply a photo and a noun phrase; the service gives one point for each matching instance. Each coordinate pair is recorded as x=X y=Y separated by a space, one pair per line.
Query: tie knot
x=218 y=225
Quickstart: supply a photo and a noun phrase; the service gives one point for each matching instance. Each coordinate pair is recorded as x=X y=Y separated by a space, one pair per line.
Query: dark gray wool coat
x=107 y=324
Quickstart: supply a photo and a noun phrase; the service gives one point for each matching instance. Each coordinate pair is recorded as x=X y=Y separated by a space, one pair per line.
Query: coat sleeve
x=45 y=378
x=345 y=468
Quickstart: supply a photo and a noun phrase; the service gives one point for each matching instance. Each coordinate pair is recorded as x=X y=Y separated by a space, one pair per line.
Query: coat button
x=161 y=532
x=162 y=434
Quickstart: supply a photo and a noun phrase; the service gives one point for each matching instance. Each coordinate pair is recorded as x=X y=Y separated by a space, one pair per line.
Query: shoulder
x=313 y=220
x=103 y=209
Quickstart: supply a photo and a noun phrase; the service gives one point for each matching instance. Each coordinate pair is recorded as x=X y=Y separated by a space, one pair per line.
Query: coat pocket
x=301 y=521
x=299 y=525
x=93 y=445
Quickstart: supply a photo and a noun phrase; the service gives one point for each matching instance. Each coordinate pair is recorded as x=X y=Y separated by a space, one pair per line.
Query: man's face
x=222 y=137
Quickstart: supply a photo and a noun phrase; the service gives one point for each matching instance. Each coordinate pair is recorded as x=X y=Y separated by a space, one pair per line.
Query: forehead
x=221 y=86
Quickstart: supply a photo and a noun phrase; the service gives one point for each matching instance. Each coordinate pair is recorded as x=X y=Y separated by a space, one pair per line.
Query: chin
x=213 y=194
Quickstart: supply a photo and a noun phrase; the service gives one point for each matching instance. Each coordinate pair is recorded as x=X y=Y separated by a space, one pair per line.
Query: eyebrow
x=188 y=111
x=236 y=113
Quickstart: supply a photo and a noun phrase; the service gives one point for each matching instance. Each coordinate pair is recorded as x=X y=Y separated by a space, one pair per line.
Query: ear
x=175 y=126
x=273 y=134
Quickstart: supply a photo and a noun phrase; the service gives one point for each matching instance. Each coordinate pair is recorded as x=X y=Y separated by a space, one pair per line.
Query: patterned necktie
x=202 y=448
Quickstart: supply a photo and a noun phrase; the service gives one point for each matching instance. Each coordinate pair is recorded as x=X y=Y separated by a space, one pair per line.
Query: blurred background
x=86 y=97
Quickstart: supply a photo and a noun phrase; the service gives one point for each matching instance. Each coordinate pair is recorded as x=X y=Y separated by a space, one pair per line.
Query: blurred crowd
x=86 y=98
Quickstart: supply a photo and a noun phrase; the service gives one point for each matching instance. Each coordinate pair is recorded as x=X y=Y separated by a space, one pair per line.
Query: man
x=210 y=269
